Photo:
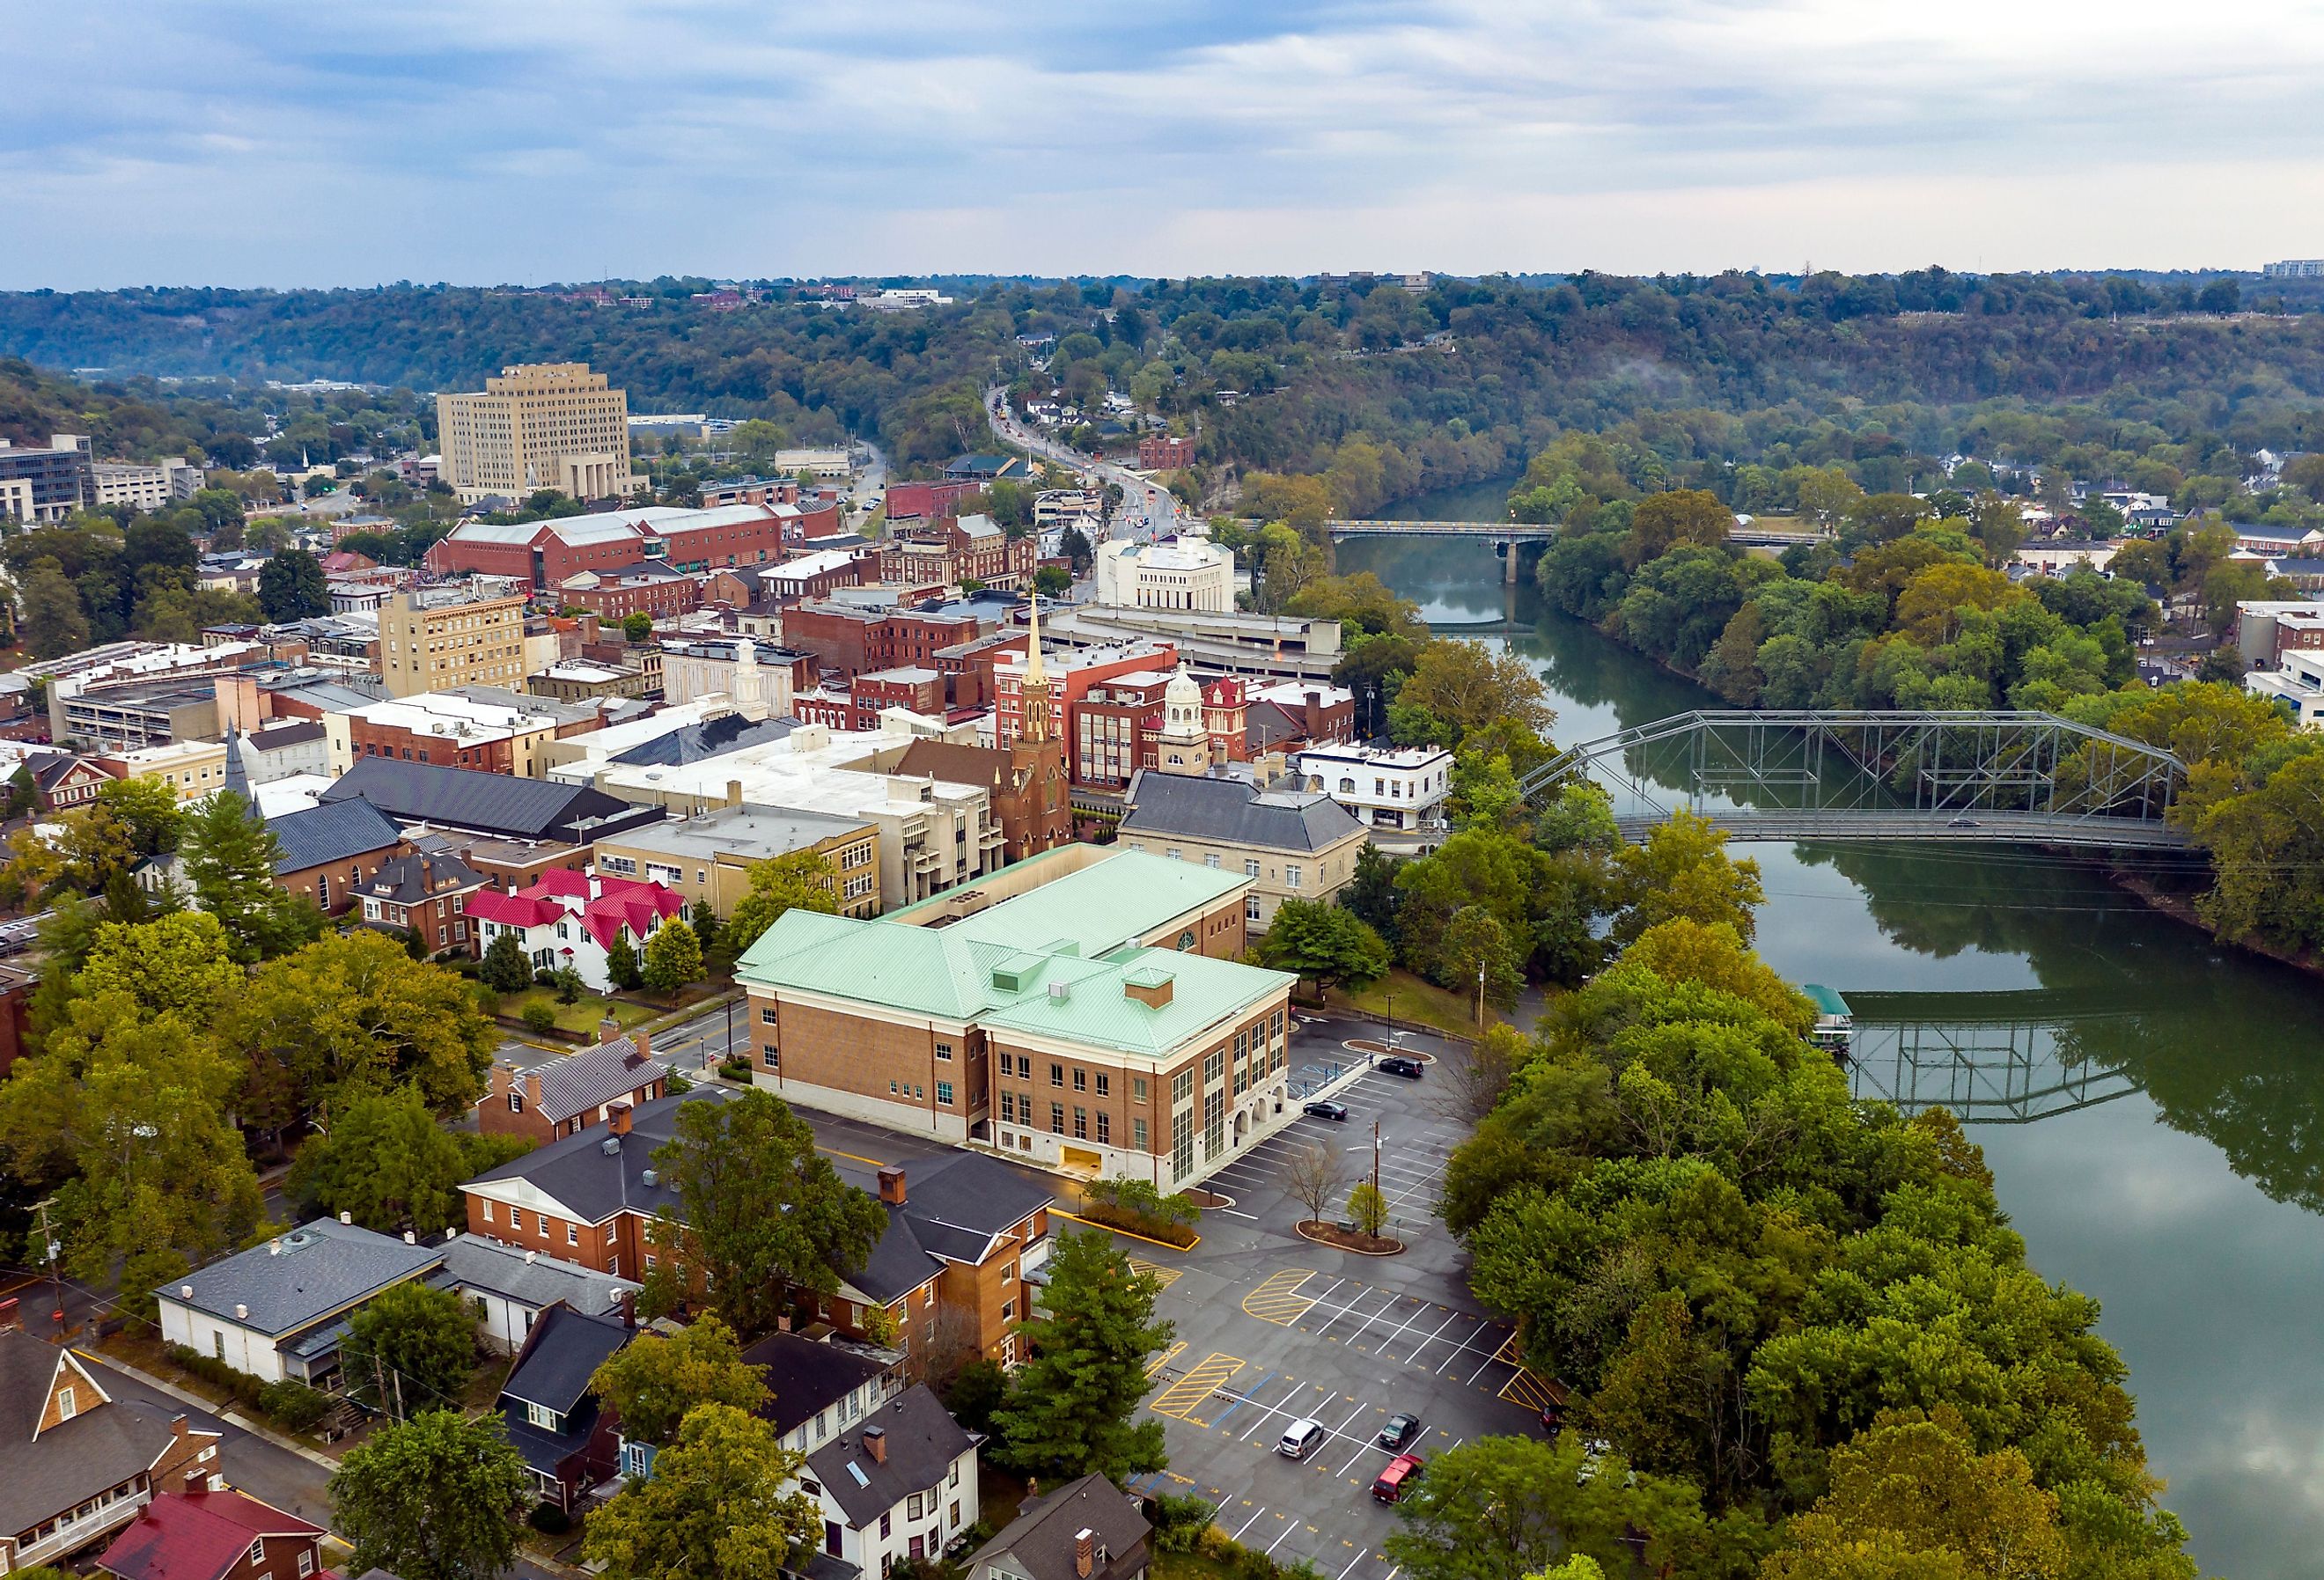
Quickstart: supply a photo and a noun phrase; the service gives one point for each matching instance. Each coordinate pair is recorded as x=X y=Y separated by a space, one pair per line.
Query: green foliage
x=567 y=983
x=653 y=1382
x=1329 y=945
x=540 y=1018
x=762 y=1210
x=1500 y=1507
x=411 y=1349
x=1071 y=1403
x=290 y=586
x=505 y=968
x=386 y=1163
x=723 y=1504
x=1179 y=1520
x=1367 y=1207
x=673 y=957
x=229 y=856
x=621 y=968
x=432 y=1499
x=638 y=626
x=803 y=880
x=293 y=1406
x=976 y=1394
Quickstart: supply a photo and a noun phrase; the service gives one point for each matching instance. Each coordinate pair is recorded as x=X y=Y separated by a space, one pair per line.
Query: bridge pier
x=1508 y=547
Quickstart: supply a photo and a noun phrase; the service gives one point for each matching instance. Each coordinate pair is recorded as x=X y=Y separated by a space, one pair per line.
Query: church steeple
x=1033 y=691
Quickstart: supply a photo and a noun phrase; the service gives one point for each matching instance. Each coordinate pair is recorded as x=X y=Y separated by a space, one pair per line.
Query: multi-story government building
x=539 y=425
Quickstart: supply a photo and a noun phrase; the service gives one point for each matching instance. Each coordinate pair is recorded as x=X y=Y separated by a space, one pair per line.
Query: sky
x=196 y=142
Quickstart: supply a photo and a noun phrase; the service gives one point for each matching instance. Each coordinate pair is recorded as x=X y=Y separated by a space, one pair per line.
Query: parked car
x=1409 y=1069
x=1300 y=1438
x=1400 y=1430
x=1399 y=1474
x=1337 y=1112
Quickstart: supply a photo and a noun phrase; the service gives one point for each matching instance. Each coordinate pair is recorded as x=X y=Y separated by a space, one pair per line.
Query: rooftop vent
x=650 y=1179
x=1059 y=992
x=241 y=1312
x=185 y=1291
x=611 y=1146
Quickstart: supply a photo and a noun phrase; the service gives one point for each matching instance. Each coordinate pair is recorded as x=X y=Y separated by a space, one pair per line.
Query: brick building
x=851 y=640
x=912 y=686
x=923 y=501
x=545 y=554
x=329 y=849
x=1071 y=676
x=1159 y=452
x=950 y=549
x=573 y=1091
x=423 y=891
x=651 y=587
x=1027 y=781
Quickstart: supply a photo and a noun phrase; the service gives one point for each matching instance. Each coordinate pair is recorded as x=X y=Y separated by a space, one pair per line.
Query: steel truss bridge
x=1996 y=776
x=1991 y=1057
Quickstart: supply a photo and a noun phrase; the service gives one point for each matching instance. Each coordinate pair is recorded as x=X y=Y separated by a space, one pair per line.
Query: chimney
x=891 y=1187
x=177 y=1426
x=608 y=1029
x=532 y=1080
x=197 y=1480
x=1084 y=1552
x=734 y=792
x=875 y=1443
x=643 y=1041
x=241 y=1312
x=617 y=1119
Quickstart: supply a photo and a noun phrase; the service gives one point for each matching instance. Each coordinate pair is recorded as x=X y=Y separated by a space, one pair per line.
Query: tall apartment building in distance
x=440 y=647
x=539 y=425
x=46 y=485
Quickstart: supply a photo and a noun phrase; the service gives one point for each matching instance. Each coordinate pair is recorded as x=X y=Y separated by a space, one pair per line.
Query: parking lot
x=1273 y=1328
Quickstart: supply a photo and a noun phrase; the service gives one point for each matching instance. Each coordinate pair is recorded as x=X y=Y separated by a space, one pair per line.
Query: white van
x=1300 y=1438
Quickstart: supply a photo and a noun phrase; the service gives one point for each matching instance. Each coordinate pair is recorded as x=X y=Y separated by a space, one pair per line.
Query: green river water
x=2152 y=1104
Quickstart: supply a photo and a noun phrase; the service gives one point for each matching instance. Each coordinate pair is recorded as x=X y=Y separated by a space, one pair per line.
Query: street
x=1148 y=510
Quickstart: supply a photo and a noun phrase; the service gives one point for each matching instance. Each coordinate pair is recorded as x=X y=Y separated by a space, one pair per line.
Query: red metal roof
x=197 y=1536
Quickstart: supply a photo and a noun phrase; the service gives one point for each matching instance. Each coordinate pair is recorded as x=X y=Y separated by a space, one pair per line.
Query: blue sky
x=523 y=141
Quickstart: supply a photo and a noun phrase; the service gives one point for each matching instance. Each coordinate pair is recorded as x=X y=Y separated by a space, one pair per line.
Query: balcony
x=71 y=1534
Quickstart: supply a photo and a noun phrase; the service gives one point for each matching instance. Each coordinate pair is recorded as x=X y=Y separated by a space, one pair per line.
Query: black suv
x=1398 y=1065
x=1400 y=1430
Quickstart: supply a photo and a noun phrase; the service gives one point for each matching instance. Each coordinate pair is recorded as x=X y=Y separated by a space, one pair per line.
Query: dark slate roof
x=729 y=731
x=296 y=732
x=1040 y=1542
x=580 y=1081
x=318 y=1268
x=1265 y=723
x=407 y=880
x=332 y=832
x=485 y=803
x=473 y=1262
x=803 y=1376
x=591 y=1183
x=954 y=1204
x=102 y=1446
x=561 y=1354
x=922 y=1441
x=1233 y=811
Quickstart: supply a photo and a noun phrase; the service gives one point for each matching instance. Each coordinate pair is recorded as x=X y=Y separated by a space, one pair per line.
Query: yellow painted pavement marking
x=1164 y=1358
x=1194 y=1385
x=1278 y=1298
x=1163 y=1277
x=1527 y=1390
x=1509 y=1349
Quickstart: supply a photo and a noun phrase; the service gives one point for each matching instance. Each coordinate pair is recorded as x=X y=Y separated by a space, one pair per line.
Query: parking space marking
x=1525 y=1389
x=1163 y=1277
x=1194 y=1385
x=1266 y=1414
x=1353 y=1562
x=1247 y=1524
x=1451 y=1318
x=1164 y=1358
x=1239 y=1402
x=1278 y=1299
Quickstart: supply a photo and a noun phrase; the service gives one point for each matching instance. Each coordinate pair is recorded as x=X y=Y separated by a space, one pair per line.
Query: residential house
x=818 y=1386
x=280 y=1309
x=1087 y=1530
x=214 y=1534
x=76 y=1463
x=1403 y=788
x=573 y=1091
x=573 y=919
x=1290 y=844
x=902 y=1487
x=63 y=782
x=422 y=892
x=507 y=1289
x=569 y=1443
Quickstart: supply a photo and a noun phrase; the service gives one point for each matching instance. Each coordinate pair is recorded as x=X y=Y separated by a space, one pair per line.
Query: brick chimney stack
x=1084 y=1552
x=891 y=1187
x=617 y=1119
x=875 y=1443
x=608 y=1029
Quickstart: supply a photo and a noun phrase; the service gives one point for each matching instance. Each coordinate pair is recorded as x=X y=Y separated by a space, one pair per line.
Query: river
x=2155 y=1126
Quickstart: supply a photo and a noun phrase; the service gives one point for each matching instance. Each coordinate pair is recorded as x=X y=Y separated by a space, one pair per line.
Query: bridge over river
x=1991 y=1057
x=1978 y=776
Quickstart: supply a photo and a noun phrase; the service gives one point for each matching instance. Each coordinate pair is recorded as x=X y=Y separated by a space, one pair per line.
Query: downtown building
x=538 y=425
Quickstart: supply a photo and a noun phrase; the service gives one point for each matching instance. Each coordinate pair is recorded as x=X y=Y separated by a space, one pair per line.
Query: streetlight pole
x=1481 y=992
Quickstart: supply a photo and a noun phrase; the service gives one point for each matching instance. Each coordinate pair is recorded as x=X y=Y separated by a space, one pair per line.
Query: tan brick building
x=538 y=425
x=440 y=647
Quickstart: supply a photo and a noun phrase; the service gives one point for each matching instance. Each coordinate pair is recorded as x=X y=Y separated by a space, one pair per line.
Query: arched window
x=1347 y=787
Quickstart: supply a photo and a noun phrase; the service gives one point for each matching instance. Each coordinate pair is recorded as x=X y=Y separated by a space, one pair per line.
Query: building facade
x=538 y=425
x=1401 y=789
x=1184 y=572
x=439 y=647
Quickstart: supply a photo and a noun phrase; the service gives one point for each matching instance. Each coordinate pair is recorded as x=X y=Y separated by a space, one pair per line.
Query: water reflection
x=2189 y=1204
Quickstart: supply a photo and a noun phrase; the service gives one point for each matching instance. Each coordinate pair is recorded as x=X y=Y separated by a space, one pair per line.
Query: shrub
x=736 y=1070
x=550 y=1519
x=243 y=1388
x=1180 y=1519
x=976 y=1393
x=540 y=1017
x=293 y=1406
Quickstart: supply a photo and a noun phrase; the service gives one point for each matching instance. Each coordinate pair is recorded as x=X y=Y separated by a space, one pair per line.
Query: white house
x=902 y=1485
x=1401 y=789
x=278 y=1309
x=572 y=919
x=506 y=1288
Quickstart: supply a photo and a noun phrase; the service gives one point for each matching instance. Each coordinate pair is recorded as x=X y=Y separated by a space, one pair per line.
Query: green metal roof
x=1826 y=1000
x=1098 y=908
x=1096 y=1009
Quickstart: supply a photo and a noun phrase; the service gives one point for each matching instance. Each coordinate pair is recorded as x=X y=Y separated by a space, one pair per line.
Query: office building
x=708 y=858
x=1186 y=572
x=46 y=486
x=427 y=646
x=539 y=425
x=144 y=488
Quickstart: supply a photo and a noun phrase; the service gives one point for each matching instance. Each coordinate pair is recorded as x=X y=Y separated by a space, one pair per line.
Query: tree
x=353 y=1013
x=505 y=968
x=149 y=809
x=1325 y=943
x=53 y=622
x=1468 y=1086
x=1497 y=1508
x=1053 y=581
x=1313 y=1178
x=432 y=1499
x=1683 y=869
x=705 y=922
x=654 y=1381
x=229 y=857
x=1070 y=1402
x=1478 y=953
x=568 y=985
x=411 y=1349
x=723 y=1504
x=290 y=586
x=673 y=957
x=1367 y=1207
x=762 y=1211
x=1681 y=515
x=638 y=626
x=1468 y=686
x=801 y=880
x=621 y=968
x=386 y=1163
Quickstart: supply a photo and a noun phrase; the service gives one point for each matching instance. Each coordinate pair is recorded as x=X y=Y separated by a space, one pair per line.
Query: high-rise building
x=46 y=485
x=539 y=425
x=439 y=647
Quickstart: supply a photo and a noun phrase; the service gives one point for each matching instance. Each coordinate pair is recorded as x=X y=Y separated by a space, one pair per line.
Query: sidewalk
x=232 y=1417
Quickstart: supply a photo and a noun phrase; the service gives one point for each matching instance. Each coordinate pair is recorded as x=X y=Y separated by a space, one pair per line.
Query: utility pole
x=1481 y=992
x=56 y=1281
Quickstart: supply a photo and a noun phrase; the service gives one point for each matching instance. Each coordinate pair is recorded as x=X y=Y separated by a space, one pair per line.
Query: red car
x=1402 y=1469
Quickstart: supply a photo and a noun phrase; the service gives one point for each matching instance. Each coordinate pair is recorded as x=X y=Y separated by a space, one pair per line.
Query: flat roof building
x=538 y=425
x=709 y=858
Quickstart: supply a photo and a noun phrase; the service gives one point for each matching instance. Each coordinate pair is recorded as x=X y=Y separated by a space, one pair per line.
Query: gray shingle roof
x=1039 y=1543
x=561 y=1354
x=803 y=1376
x=334 y=831
x=593 y=1184
x=729 y=731
x=319 y=1268
x=580 y=1081
x=102 y=1446
x=922 y=1441
x=407 y=880
x=953 y=1208
x=1233 y=811
x=483 y=803
x=473 y=1262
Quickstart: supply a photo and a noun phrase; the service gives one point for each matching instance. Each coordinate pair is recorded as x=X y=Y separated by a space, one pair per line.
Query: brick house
x=575 y=1091
x=1087 y=1530
x=215 y=1534
x=63 y=781
x=651 y=587
x=1159 y=452
x=920 y=501
x=76 y=1464
x=424 y=892
x=329 y=850
x=1031 y=796
x=911 y=686
x=952 y=549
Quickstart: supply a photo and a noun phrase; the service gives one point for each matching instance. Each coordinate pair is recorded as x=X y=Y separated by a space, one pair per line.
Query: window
x=1290 y=876
x=1138 y=1089
x=1214 y=1065
x=1250 y=908
x=1024 y=1066
x=66 y=1409
x=306 y=1562
x=1081 y=1081
x=1104 y=1083
x=541 y=1415
x=887 y=1522
x=1081 y=1123
x=516 y=1103
x=257 y=1554
x=1104 y=1128
x=572 y=1235
x=1057 y=1118
x=943 y=1052
x=1137 y=1132
x=918 y=1506
x=767 y=1015
x=1007 y=1107
x=769 y=1057
x=516 y=1219
x=944 y=1093
x=1057 y=1074
x=1182 y=1085
x=488 y=1212
x=1210 y=860
x=217 y=1345
x=1251 y=867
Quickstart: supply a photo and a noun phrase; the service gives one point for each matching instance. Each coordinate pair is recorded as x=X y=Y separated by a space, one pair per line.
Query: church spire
x=1033 y=720
x=1035 y=675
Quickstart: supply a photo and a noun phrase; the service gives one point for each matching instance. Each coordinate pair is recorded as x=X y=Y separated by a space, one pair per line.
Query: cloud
x=272 y=143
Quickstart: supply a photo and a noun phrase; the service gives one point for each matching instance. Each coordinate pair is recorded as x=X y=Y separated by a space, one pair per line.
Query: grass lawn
x=1189 y=1566
x=1417 y=1001
x=581 y=1014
